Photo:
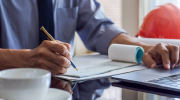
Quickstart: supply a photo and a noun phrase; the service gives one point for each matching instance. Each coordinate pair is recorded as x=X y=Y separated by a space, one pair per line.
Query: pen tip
x=76 y=69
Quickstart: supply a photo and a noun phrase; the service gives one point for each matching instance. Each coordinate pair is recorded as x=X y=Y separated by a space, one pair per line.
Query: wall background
x=113 y=10
x=130 y=16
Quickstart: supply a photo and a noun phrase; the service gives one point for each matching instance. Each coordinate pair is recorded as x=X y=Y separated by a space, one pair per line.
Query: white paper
x=101 y=68
x=111 y=73
x=94 y=65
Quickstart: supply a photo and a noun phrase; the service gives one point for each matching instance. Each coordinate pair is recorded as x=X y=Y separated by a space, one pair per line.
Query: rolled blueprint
x=154 y=41
x=125 y=53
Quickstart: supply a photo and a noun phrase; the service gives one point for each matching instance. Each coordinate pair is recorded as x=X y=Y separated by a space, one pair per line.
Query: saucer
x=57 y=94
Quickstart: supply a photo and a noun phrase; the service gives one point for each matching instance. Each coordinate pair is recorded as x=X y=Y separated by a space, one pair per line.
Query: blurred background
x=129 y=15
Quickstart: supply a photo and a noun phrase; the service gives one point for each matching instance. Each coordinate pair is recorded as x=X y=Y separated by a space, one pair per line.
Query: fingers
x=53 y=72
x=66 y=44
x=148 y=61
x=57 y=59
x=61 y=85
x=54 y=82
x=58 y=84
x=45 y=56
x=54 y=68
x=165 y=54
x=56 y=47
x=174 y=54
x=178 y=63
x=68 y=88
x=64 y=62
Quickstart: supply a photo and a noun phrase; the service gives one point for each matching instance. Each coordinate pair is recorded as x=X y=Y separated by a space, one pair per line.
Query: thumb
x=148 y=61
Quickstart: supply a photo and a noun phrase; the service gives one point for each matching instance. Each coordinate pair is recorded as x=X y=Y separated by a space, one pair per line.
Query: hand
x=61 y=85
x=165 y=54
x=45 y=56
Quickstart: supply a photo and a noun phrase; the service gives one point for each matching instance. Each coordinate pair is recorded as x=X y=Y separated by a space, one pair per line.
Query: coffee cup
x=24 y=83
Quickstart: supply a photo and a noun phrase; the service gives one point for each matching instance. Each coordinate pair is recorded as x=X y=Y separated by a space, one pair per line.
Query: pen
x=52 y=39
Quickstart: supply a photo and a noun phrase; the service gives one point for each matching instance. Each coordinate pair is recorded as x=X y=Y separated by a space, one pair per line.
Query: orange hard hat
x=162 y=22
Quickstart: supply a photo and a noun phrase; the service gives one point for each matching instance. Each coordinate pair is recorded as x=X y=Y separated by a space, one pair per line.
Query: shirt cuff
x=111 y=32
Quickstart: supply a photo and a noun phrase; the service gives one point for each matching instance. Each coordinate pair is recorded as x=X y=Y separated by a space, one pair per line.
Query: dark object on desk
x=156 y=80
x=147 y=89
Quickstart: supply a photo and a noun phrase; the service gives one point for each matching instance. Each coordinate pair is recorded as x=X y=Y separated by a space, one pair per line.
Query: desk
x=147 y=89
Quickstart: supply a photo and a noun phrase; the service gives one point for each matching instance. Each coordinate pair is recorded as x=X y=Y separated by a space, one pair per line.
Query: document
x=94 y=65
x=104 y=75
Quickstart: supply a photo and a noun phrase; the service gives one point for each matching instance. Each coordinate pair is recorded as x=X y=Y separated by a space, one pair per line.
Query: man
x=20 y=39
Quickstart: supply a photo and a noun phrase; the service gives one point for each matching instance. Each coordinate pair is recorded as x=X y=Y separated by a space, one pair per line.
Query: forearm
x=125 y=39
x=10 y=58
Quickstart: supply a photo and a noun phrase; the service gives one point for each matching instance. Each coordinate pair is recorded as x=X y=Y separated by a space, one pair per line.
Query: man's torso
x=20 y=23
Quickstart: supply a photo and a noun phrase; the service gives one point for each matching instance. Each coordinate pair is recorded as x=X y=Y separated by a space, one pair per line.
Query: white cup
x=24 y=83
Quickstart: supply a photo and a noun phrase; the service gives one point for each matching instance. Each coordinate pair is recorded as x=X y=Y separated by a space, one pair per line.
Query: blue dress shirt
x=19 y=24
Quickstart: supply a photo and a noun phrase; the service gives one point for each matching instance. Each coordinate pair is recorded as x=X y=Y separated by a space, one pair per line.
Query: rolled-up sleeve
x=94 y=28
